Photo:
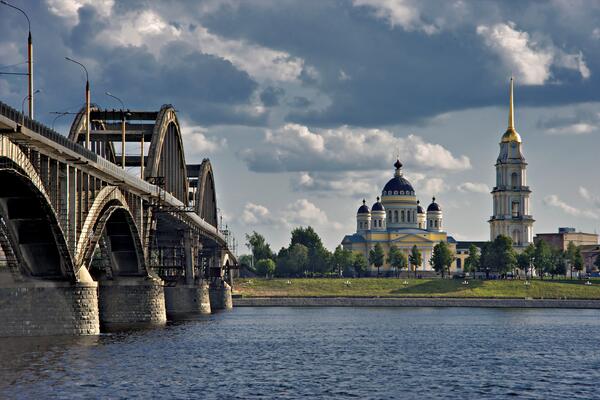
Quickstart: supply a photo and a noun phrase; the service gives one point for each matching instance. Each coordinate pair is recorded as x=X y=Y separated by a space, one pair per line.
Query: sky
x=303 y=106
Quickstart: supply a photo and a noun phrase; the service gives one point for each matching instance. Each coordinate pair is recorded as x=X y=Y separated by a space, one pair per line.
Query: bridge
x=90 y=245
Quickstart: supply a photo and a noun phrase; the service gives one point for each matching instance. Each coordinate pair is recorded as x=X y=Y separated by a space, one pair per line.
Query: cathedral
x=397 y=219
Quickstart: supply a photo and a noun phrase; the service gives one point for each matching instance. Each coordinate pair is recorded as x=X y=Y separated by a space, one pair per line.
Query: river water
x=321 y=353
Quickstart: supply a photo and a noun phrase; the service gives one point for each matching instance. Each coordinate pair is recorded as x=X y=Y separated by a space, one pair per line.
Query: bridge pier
x=220 y=296
x=46 y=308
x=186 y=300
x=131 y=303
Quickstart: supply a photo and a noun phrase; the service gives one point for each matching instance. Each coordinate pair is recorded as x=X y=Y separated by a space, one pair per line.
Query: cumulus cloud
x=528 y=58
x=583 y=120
x=295 y=147
x=69 y=9
x=473 y=187
x=196 y=140
x=554 y=201
x=300 y=212
x=586 y=195
x=403 y=13
x=580 y=128
x=354 y=183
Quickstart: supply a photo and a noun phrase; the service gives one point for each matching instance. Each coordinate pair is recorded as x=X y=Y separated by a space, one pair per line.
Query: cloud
x=554 y=201
x=301 y=212
x=586 y=195
x=196 y=140
x=295 y=147
x=472 y=187
x=354 y=183
x=403 y=13
x=69 y=9
x=583 y=120
x=270 y=96
x=526 y=57
x=580 y=128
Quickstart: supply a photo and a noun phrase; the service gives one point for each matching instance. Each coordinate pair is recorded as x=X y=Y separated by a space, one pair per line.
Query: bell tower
x=511 y=216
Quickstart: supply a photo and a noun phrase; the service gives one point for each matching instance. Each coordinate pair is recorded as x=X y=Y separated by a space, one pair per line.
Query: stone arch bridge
x=115 y=234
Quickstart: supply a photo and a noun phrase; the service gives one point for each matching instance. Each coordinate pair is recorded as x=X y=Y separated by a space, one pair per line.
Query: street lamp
x=23 y=106
x=87 y=102
x=122 y=128
x=29 y=57
x=58 y=115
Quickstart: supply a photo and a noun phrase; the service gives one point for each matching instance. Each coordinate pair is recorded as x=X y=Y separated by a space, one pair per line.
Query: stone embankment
x=411 y=302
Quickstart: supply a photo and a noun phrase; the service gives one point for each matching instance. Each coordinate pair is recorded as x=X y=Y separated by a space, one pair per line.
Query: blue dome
x=377 y=206
x=434 y=206
x=419 y=208
x=364 y=209
x=398 y=185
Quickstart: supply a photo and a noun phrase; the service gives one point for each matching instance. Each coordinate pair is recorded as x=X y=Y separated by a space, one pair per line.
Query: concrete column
x=189 y=258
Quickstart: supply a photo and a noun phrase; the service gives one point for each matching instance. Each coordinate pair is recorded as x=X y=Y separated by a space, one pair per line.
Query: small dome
x=434 y=206
x=419 y=208
x=364 y=209
x=377 y=206
x=511 y=136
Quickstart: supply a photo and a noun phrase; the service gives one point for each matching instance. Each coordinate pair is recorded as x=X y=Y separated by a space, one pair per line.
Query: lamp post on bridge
x=28 y=97
x=122 y=127
x=87 y=102
x=30 y=91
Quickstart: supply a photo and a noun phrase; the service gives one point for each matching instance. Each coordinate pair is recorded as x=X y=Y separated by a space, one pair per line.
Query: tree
x=504 y=254
x=341 y=260
x=397 y=259
x=525 y=259
x=558 y=265
x=360 y=264
x=318 y=256
x=265 y=267
x=486 y=261
x=543 y=258
x=441 y=258
x=292 y=261
x=570 y=255
x=415 y=258
x=472 y=263
x=579 y=262
x=597 y=262
x=376 y=257
x=259 y=247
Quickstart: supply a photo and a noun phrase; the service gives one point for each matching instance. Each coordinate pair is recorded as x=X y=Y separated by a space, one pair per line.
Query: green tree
x=265 y=267
x=259 y=247
x=570 y=255
x=441 y=258
x=397 y=259
x=504 y=254
x=524 y=259
x=318 y=255
x=360 y=264
x=558 y=265
x=292 y=261
x=415 y=258
x=341 y=260
x=578 y=263
x=376 y=257
x=597 y=262
x=543 y=258
x=486 y=261
x=472 y=263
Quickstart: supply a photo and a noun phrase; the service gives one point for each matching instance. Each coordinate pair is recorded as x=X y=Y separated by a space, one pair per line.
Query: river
x=321 y=353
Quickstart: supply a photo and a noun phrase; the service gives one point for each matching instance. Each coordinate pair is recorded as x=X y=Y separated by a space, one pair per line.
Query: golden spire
x=511 y=111
x=511 y=134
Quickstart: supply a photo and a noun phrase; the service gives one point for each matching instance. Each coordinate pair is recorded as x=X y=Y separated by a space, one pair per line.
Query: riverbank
x=416 y=288
x=412 y=302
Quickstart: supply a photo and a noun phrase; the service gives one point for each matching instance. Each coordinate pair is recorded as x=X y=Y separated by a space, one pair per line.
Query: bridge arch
x=104 y=149
x=206 y=197
x=166 y=157
x=110 y=226
x=30 y=233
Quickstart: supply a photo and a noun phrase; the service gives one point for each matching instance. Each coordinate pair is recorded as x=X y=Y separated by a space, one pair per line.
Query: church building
x=511 y=194
x=397 y=219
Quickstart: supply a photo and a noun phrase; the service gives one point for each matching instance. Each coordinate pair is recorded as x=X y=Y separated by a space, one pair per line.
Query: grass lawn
x=392 y=287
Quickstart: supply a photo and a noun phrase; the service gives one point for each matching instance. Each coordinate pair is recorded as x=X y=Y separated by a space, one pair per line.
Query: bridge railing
x=43 y=130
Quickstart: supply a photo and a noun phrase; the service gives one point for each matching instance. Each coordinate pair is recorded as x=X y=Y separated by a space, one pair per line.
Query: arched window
x=436 y=223
x=390 y=215
x=395 y=215
x=430 y=223
x=514 y=179
x=402 y=215
x=458 y=263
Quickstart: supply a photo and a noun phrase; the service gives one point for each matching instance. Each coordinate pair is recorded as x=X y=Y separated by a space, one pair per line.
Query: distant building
x=565 y=235
x=511 y=217
x=397 y=219
x=590 y=253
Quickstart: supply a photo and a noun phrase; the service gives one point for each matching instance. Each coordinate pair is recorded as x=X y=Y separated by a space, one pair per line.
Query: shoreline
x=414 y=302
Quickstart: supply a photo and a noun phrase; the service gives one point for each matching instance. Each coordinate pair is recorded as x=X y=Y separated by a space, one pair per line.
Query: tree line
x=306 y=256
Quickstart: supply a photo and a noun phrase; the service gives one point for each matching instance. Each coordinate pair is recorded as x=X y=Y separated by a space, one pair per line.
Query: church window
x=431 y=223
x=436 y=223
x=458 y=263
x=395 y=215
x=515 y=209
x=390 y=215
x=395 y=192
x=402 y=215
x=514 y=179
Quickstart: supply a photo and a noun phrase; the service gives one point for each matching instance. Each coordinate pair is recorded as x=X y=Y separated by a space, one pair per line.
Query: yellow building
x=397 y=219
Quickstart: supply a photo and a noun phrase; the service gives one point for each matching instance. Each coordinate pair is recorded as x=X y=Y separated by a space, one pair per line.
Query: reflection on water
x=332 y=353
